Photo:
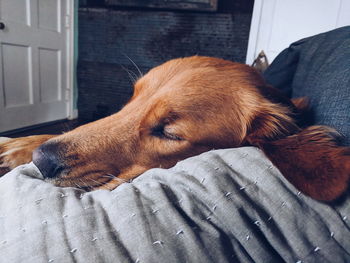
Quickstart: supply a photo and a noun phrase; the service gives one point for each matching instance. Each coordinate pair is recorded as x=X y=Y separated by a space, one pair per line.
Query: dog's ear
x=310 y=158
x=276 y=116
x=312 y=161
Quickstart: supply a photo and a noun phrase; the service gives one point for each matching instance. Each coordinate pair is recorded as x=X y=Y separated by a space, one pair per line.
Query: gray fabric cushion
x=318 y=67
x=222 y=206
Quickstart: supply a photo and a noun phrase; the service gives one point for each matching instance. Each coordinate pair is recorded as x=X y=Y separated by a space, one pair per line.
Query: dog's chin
x=87 y=183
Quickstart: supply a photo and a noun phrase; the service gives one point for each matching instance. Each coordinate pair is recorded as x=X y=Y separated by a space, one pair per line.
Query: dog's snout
x=47 y=158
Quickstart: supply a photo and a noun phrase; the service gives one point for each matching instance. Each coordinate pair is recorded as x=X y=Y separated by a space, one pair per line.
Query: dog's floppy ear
x=277 y=116
x=309 y=158
x=312 y=161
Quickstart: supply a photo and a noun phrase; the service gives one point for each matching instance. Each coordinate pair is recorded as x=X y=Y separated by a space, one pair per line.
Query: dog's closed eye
x=161 y=131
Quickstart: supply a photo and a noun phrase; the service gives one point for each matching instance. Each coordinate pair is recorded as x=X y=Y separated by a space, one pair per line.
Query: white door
x=278 y=23
x=34 y=62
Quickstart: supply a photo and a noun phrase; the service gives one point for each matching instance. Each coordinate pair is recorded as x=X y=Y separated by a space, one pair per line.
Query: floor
x=57 y=127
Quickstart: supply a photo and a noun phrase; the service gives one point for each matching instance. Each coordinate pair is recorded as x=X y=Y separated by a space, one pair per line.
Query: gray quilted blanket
x=222 y=206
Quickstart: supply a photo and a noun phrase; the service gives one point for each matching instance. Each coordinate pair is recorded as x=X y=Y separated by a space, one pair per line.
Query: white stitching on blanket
x=158 y=242
x=257 y=223
x=155 y=210
x=63 y=195
x=179 y=232
x=38 y=201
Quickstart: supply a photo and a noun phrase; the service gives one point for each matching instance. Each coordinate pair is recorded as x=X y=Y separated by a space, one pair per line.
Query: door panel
x=33 y=56
x=49 y=14
x=50 y=75
x=17 y=87
x=17 y=11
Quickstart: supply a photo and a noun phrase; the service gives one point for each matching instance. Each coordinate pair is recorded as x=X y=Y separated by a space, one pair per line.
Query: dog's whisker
x=74 y=183
x=95 y=181
x=112 y=176
x=84 y=184
x=77 y=185
x=138 y=69
x=120 y=179
x=132 y=77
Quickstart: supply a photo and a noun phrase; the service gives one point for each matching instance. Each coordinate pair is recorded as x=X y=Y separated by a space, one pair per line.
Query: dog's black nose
x=46 y=157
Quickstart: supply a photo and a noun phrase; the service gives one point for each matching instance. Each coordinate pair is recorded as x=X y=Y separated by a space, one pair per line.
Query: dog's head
x=179 y=109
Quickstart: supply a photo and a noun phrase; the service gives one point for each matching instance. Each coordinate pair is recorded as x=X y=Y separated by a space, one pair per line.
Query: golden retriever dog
x=182 y=108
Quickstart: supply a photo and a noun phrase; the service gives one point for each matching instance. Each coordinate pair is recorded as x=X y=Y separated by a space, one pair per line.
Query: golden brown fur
x=185 y=107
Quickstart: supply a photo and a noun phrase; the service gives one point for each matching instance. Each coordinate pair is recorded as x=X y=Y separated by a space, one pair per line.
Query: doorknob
x=2 y=26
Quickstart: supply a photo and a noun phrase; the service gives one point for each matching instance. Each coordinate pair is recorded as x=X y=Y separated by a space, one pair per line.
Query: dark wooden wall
x=107 y=37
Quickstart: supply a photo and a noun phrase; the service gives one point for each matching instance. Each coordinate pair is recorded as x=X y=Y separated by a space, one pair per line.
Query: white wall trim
x=254 y=31
x=69 y=24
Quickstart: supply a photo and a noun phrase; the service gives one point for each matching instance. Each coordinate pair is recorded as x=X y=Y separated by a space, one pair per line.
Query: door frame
x=69 y=23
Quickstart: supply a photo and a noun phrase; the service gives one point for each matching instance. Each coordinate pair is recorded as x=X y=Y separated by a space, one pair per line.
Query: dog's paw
x=17 y=151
